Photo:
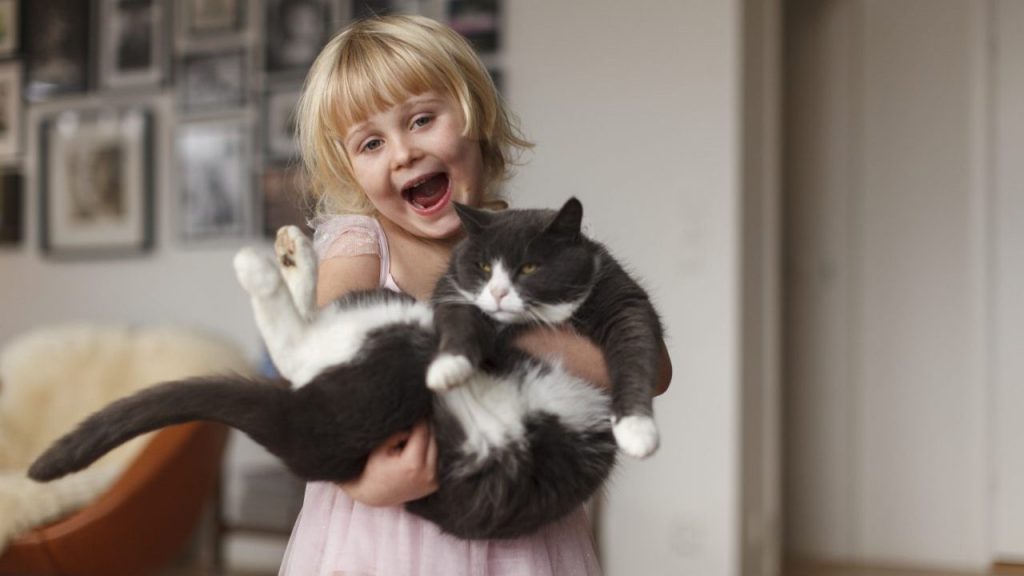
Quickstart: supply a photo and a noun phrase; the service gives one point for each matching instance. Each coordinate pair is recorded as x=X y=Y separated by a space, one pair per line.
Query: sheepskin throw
x=52 y=378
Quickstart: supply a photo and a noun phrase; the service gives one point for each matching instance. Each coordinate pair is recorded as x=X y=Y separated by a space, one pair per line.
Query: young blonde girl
x=399 y=119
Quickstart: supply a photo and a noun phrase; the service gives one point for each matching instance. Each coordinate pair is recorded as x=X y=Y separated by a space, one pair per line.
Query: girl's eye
x=372 y=145
x=484 y=266
x=527 y=269
x=421 y=121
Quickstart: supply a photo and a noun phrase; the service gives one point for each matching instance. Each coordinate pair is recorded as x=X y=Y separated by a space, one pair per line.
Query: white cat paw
x=256 y=272
x=294 y=250
x=448 y=371
x=636 y=435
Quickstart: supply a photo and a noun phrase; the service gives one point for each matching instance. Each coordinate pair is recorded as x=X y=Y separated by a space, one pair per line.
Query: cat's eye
x=527 y=269
x=484 y=266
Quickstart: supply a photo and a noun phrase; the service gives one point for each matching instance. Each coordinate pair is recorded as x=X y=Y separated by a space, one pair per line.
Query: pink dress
x=335 y=535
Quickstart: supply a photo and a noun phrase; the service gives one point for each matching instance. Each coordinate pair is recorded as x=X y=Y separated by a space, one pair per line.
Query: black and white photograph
x=283 y=200
x=206 y=17
x=11 y=208
x=213 y=81
x=295 y=32
x=57 y=47
x=478 y=21
x=281 y=144
x=10 y=109
x=132 y=48
x=214 y=180
x=9 y=27
x=96 y=182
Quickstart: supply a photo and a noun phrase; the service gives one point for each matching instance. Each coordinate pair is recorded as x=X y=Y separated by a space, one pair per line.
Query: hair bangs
x=376 y=76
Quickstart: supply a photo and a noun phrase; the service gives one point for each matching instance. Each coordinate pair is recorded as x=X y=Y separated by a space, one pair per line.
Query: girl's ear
x=473 y=220
x=568 y=221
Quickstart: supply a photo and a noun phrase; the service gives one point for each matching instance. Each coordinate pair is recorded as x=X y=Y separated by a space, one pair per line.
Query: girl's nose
x=403 y=152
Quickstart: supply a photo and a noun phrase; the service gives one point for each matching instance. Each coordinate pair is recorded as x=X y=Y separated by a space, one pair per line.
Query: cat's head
x=525 y=265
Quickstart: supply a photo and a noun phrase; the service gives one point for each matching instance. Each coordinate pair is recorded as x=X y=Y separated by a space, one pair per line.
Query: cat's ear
x=473 y=220
x=568 y=221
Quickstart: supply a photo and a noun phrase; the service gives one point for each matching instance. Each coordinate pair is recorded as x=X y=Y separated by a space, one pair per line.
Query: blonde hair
x=376 y=63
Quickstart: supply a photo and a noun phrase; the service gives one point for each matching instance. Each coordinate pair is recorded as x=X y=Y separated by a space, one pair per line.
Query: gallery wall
x=636 y=112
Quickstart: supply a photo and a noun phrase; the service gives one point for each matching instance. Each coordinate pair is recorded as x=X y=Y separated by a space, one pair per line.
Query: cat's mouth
x=428 y=194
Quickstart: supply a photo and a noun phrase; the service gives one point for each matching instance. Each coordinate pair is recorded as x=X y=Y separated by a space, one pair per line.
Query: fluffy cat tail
x=253 y=407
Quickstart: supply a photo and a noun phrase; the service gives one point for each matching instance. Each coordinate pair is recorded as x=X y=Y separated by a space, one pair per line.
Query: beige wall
x=902 y=220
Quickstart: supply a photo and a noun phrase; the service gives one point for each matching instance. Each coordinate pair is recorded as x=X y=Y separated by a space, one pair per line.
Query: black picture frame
x=57 y=47
x=12 y=208
x=211 y=81
x=96 y=183
x=295 y=30
x=133 y=49
x=479 y=21
x=214 y=179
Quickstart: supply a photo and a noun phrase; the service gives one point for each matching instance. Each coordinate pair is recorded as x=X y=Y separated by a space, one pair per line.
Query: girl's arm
x=581 y=356
x=404 y=467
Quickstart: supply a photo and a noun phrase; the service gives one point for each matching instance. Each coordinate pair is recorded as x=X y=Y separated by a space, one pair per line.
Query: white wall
x=889 y=175
x=635 y=111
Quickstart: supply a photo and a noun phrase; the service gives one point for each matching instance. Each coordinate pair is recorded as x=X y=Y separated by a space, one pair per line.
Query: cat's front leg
x=466 y=338
x=277 y=318
x=297 y=260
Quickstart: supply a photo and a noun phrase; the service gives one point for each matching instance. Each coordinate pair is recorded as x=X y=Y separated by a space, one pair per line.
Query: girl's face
x=413 y=161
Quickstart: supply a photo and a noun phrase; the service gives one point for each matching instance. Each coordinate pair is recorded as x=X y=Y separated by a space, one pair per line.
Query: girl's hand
x=401 y=469
x=581 y=356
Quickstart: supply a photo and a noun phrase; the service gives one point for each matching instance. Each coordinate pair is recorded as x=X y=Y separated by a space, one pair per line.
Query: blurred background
x=824 y=198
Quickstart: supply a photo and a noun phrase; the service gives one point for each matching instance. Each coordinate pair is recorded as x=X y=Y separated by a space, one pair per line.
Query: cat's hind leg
x=282 y=327
x=297 y=260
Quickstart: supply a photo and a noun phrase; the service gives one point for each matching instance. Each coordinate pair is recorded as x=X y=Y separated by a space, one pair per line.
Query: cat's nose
x=499 y=292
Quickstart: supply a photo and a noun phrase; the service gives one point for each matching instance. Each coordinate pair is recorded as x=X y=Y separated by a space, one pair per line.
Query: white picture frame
x=96 y=182
x=133 y=47
x=214 y=179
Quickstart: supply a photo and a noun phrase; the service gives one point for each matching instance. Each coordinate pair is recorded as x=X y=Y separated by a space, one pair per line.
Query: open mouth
x=428 y=195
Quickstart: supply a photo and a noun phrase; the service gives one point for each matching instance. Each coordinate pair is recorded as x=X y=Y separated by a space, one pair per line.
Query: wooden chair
x=141 y=523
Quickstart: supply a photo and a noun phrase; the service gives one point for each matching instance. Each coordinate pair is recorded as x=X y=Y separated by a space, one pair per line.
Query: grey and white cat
x=520 y=441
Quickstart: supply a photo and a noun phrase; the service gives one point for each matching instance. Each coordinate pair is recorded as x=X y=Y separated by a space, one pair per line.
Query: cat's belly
x=493 y=410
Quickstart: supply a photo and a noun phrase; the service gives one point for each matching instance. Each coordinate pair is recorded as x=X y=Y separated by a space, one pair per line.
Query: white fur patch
x=448 y=371
x=492 y=410
x=256 y=272
x=335 y=336
x=510 y=306
x=636 y=435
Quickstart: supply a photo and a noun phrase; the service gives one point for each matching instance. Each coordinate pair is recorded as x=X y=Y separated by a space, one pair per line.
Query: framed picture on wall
x=295 y=32
x=280 y=143
x=9 y=28
x=10 y=108
x=11 y=208
x=214 y=179
x=56 y=47
x=213 y=81
x=96 y=182
x=202 y=18
x=132 y=47
x=478 y=21
x=283 y=188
